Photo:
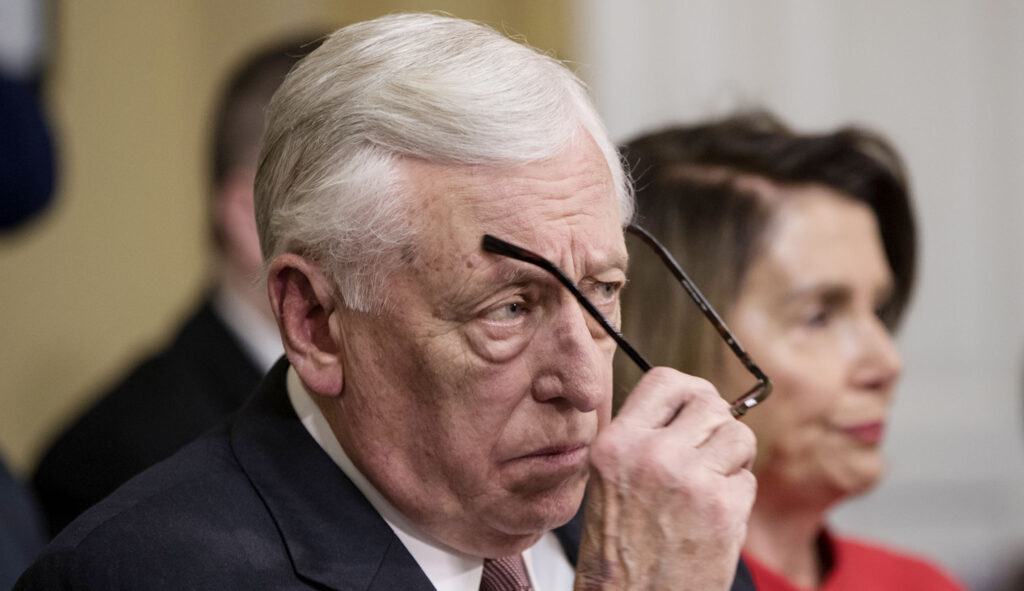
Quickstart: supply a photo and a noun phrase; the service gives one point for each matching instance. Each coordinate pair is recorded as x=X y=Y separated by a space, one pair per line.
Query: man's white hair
x=407 y=85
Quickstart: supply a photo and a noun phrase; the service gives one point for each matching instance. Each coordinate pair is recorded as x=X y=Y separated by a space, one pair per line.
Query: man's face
x=472 y=400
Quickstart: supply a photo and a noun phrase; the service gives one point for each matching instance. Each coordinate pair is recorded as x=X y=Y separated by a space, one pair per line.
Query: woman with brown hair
x=805 y=244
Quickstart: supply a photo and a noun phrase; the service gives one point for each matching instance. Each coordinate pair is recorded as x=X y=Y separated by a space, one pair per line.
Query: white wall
x=945 y=81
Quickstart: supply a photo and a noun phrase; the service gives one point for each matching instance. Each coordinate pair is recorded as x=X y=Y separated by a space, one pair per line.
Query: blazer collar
x=570 y=534
x=333 y=534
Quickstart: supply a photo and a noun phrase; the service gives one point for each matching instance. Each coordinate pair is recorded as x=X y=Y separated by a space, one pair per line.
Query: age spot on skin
x=408 y=254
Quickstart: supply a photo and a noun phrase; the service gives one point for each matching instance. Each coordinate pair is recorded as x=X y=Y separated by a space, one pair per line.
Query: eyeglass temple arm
x=764 y=386
x=500 y=247
x=739 y=407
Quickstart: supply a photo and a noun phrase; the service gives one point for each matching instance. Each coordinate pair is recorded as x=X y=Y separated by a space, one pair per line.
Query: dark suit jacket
x=21 y=531
x=165 y=402
x=27 y=163
x=254 y=504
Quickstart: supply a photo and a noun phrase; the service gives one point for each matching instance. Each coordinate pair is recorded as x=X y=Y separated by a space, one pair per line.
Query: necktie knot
x=505 y=574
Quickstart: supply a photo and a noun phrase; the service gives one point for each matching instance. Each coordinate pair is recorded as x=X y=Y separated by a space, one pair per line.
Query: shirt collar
x=258 y=336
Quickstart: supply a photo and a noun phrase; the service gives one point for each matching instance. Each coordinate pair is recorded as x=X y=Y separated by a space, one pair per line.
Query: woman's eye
x=884 y=311
x=819 y=318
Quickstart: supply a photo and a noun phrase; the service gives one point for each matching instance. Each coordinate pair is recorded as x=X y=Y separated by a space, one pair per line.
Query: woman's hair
x=409 y=85
x=697 y=191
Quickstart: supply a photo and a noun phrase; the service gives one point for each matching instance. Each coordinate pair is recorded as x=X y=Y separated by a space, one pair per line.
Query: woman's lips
x=866 y=433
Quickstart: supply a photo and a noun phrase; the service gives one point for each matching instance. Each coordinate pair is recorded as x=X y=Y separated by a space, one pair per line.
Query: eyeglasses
x=761 y=390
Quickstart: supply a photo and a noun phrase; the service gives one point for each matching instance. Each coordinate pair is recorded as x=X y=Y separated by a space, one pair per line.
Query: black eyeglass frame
x=756 y=395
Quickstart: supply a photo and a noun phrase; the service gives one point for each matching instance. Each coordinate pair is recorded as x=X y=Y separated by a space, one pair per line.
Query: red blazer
x=857 y=566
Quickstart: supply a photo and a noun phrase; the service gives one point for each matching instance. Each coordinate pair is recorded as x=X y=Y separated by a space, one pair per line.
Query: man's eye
x=605 y=291
x=507 y=312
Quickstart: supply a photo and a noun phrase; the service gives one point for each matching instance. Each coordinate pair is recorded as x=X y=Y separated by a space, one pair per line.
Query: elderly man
x=441 y=407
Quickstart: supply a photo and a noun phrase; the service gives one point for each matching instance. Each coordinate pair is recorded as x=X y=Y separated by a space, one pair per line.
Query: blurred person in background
x=27 y=181
x=27 y=159
x=806 y=246
x=224 y=347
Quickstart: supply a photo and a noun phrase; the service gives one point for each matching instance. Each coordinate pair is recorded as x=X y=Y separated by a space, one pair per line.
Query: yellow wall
x=107 y=273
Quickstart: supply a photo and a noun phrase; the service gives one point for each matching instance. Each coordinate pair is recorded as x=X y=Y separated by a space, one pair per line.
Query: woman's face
x=808 y=314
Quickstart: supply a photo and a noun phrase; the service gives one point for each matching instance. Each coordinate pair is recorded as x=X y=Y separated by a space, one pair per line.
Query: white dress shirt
x=447 y=569
x=258 y=336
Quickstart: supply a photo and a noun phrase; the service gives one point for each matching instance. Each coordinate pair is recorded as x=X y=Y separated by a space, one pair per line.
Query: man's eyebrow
x=513 y=272
x=617 y=260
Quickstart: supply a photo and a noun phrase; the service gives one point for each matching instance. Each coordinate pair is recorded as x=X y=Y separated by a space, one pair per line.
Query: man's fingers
x=660 y=396
x=702 y=415
x=730 y=448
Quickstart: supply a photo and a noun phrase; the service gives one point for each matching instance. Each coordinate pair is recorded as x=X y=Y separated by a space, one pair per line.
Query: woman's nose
x=880 y=364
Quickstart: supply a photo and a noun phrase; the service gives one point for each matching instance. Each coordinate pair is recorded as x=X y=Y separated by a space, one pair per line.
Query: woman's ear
x=301 y=298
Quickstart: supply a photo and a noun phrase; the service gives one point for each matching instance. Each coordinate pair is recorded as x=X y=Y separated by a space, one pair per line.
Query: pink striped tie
x=505 y=574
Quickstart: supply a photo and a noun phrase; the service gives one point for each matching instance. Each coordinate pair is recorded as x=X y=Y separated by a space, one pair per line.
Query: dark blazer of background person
x=21 y=535
x=210 y=367
x=27 y=179
x=27 y=162
x=165 y=402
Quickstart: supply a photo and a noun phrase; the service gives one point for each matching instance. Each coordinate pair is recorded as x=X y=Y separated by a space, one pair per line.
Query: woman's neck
x=784 y=537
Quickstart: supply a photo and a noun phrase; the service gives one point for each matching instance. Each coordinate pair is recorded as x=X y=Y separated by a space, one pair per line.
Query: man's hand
x=670 y=490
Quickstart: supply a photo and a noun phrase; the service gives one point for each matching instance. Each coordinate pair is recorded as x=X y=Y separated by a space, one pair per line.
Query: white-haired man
x=441 y=407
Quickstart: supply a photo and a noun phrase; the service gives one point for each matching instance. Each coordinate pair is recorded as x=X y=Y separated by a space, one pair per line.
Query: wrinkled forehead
x=552 y=206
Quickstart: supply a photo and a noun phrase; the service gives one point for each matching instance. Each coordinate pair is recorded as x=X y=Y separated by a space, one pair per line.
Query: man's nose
x=879 y=364
x=575 y=361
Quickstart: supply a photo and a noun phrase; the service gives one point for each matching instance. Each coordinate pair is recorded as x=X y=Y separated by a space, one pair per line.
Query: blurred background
x=107 y=272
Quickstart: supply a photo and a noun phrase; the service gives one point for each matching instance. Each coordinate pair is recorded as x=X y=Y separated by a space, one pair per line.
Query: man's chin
x=538 y=479
x=517 y=520
x=546 y=509
x=514 y=531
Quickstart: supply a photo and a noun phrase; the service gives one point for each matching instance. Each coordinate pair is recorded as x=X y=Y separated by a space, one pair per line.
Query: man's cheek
x=484 y=345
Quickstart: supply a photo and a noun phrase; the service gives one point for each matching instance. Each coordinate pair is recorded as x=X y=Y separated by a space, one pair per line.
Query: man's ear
x=301 y=298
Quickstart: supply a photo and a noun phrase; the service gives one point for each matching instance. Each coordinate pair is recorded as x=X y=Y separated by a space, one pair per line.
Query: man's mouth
x=558 y=455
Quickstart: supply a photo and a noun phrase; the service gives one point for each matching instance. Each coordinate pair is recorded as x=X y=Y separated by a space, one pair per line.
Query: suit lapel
x=569 y=536
x=744 y=581
x=332 y=533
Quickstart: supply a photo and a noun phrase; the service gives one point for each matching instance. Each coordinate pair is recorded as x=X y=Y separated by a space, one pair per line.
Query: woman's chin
x=860 y=476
